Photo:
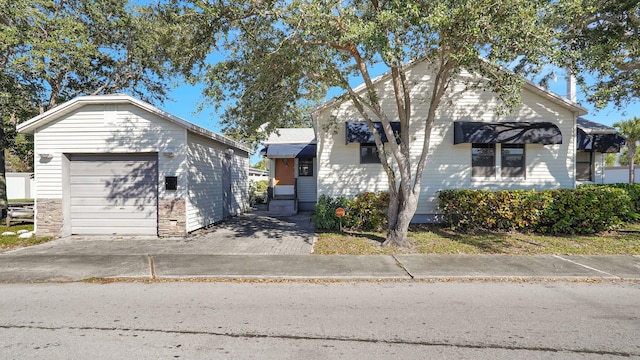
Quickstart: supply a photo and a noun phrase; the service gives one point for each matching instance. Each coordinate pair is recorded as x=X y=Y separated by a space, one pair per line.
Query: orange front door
x=284 y=171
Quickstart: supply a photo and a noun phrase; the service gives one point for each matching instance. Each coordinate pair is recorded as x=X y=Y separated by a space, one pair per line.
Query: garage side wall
x=240 y=181
x=104 y=129
x=217 y=177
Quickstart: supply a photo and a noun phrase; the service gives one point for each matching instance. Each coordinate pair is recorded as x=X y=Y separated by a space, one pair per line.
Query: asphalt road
x=346 y=320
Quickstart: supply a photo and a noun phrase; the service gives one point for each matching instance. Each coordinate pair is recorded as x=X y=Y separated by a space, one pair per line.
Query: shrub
x=633 y=190
x=585 y=210
x=369 y=211
x=500 y=210
x=366 y=211
x=258 y=192
x=325 y=212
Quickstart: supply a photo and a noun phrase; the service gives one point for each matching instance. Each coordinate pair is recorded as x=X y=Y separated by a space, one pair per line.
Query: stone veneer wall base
x=172 y=217
x=49 y=218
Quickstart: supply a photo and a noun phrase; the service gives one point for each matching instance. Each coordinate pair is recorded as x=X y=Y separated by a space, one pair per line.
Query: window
x=512 y=160
x=584 y=166
x=511 y=165
x=305 y=167
x=369 y=154
x=483 y=160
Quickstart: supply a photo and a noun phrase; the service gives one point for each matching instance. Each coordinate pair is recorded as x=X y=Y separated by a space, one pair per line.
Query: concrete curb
x=63 y=268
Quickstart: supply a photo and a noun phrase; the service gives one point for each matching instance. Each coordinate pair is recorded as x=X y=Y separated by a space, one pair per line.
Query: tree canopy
x=281 y=56
x=54 y=50
x=623 y=159
x=61 y=49
x=630 y=130
x=600 y=42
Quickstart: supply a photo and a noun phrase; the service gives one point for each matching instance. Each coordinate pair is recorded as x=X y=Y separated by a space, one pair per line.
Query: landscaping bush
x=500 y=210
x=633 y=190
x=585 y=210
x=365 y=212
x=258 y=192
x=325 y=212
x=369 y=211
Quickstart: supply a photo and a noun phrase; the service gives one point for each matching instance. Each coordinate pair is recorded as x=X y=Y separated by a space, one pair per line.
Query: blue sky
x=186 y=99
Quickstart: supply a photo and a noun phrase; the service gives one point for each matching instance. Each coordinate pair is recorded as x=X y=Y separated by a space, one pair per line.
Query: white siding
x=599 y=168
x=105 y=129
x=205 y=194
x=240 y=182
x=204 y=199
x=448 y=165
x=307 y=186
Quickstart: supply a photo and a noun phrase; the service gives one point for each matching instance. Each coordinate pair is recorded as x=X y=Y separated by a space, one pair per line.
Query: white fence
x=620 y=174
x=20 y=186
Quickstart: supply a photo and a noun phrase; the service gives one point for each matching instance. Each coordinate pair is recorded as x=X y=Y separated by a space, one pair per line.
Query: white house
x=472 y=146
x=116 y=165
x=292 y=170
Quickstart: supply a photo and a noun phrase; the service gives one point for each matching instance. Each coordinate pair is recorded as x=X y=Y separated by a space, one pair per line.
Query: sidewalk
x=68 y=267
x=258 y=246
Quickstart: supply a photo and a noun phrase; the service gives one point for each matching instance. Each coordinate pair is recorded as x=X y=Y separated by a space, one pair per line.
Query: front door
x=285 y=177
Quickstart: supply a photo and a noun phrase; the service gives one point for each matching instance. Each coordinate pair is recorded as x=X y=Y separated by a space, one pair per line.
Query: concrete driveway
x=252 y=233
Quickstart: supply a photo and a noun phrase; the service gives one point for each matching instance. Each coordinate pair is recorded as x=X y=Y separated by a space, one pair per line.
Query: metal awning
x=359 y=132
x=545 y=133
x=593 y=136
x=604 y=143
x=287 y=151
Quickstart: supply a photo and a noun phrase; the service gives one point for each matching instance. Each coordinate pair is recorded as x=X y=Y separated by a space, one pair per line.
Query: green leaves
x=279 y=58
x=585 y=210
x=601 y=39
x=62 y=49
x=364 y=212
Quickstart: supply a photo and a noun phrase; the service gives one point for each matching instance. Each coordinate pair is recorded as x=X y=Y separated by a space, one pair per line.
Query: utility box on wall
x=171 y=183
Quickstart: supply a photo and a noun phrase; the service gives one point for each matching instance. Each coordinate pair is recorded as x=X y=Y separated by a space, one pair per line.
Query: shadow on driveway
x=252 y=233
x=258 y=232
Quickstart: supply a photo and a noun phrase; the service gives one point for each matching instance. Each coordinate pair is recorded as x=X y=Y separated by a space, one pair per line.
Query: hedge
x=366 y=211
x=633 y=190
x=585 y=210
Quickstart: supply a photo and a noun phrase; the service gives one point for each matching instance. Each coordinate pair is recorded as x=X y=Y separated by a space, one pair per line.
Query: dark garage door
x=113 y=194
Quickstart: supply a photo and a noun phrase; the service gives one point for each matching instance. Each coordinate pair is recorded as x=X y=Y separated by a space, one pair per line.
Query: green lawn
x=13 y=242
x=437 y=240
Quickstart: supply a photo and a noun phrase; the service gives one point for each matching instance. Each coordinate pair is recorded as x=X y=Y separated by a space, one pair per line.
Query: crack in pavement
x=334 y=338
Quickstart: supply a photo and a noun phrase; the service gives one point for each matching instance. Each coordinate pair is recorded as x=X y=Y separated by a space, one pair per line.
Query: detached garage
x=116 y=165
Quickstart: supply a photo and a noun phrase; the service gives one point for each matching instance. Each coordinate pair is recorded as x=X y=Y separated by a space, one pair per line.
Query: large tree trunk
x=398 y=233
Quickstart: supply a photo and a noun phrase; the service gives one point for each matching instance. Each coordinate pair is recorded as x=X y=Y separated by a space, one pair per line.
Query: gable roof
x=592 y=127
x=292 y=136
x=30 y=126
x=529 y=85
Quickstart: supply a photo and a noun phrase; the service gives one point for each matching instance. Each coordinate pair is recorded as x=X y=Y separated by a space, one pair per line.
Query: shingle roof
x=592 y=127
x=292 y=136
